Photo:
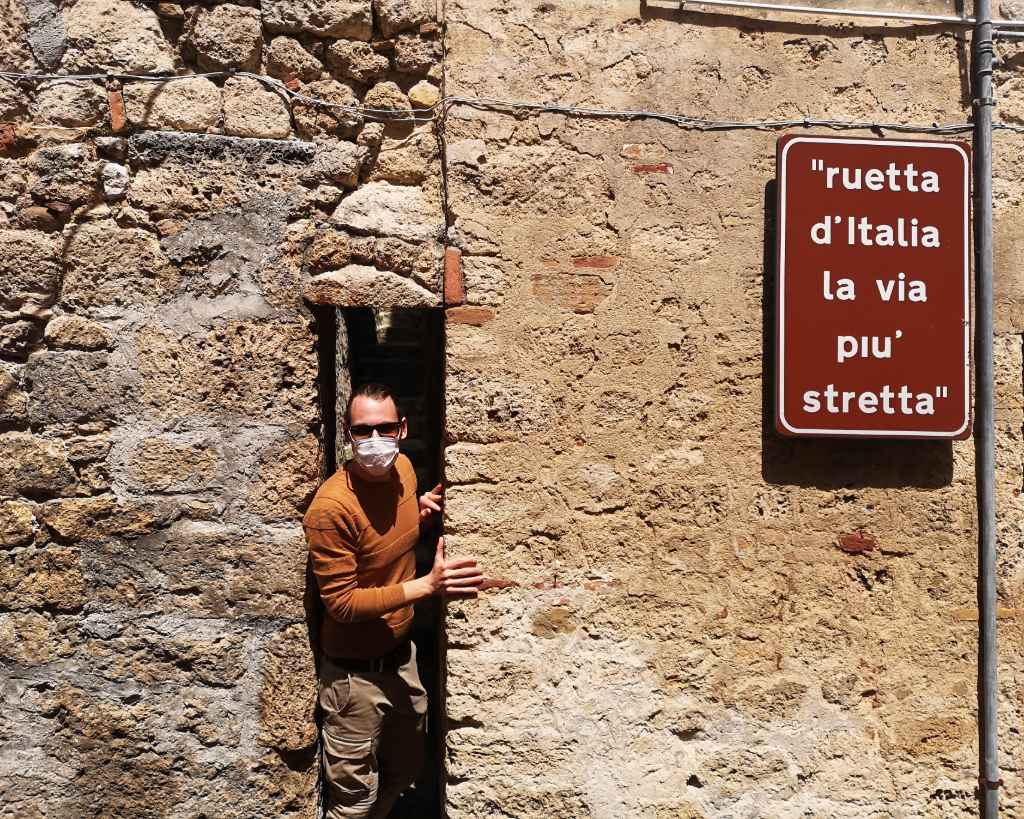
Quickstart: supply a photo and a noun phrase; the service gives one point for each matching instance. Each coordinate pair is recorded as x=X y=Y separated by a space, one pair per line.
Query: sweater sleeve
x=332 y=538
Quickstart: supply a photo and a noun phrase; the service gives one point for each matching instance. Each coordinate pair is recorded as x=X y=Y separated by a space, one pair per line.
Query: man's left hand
x=431 y=502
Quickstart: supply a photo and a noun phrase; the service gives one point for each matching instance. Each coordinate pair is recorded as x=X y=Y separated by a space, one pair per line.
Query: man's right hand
x=458 y=578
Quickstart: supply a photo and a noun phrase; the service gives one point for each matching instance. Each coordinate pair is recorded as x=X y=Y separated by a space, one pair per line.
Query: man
x=362 y=528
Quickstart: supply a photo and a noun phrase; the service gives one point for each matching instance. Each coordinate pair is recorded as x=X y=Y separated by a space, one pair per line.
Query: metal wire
x=440 y=109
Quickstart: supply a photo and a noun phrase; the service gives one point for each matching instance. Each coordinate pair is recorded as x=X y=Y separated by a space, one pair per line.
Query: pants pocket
x=350 y=766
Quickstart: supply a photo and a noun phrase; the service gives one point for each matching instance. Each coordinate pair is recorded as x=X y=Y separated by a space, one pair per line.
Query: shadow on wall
x=830 y=463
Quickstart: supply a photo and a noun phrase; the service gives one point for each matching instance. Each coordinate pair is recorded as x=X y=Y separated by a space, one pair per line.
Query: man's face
x=372 y=416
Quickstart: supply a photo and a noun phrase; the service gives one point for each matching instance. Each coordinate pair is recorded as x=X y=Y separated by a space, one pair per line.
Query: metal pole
x=984 y=438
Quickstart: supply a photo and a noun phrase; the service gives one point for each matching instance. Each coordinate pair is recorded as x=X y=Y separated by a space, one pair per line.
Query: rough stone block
x=424 y=95
x=486 y=280
x=287 y=60
x=17 y=338
x=16 y=524
x=161 y=653
x=318 y=122
x=389 y=99
x=74 y=519
x=338 y=163
x=48 y=578
x=75 y=332
x=13 y=401
x=109 y=265
x=483 y=409
x=208 y=569
x=114 y=35
x=86 y=449
x=71 y=104
x=288 y=691
x=286 y=479
x=225 y=36
x=178 y=463
x=212 y=721
x=394 y=16
x=356 y=60
x=65 y=175
x=29 y=268
x=253 y=110
x=414 y=55
x=14 y=103
x=33 y=466
x=328 y=250
x=351 y=19
x=410 y=160
x=420 y=261
x=479 y=463
x=362 y=286
x=391 y=210
x=191 y=104
x=115 y=180
x=260 y=369
x=30 y=638
x=75 y=387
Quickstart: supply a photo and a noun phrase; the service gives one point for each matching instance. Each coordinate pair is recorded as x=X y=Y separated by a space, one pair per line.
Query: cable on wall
x=438 y=110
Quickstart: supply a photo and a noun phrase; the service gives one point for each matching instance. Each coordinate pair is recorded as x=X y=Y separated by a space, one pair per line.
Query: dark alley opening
x=403 y=349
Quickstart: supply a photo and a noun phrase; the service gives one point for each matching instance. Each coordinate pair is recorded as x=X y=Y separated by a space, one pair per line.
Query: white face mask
x=376 y=455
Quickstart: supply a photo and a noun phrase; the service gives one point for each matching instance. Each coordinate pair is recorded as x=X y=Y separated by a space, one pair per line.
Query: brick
x=476 y=316
x=598 y=262
x=454 y=280
x=857 y=542
x=656 y=167
x=8 y=136
x=115 y=101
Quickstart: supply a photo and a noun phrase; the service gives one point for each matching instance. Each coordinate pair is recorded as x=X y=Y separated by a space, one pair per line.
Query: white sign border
x=781 y=278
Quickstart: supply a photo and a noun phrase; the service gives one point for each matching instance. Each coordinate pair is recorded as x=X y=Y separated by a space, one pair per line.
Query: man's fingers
x=431 y=503
x=439 y=554
x=470 y=571
x=459 y=562
x=437 y=490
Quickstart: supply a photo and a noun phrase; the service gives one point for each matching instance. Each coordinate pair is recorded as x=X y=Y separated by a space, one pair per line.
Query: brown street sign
x=873 y=322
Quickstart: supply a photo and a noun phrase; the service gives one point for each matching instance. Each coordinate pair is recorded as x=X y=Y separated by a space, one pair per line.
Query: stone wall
x=159 y=416
x=679 y=635
x=686 y=639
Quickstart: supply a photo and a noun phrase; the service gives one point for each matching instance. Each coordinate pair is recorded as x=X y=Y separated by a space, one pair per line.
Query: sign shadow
x=832 y=463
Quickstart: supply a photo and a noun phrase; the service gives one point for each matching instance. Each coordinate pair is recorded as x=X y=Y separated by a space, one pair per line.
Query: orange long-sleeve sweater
x=362 y=535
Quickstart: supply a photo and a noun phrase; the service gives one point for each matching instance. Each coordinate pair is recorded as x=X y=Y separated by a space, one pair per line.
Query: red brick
x=8 y=136
x=454 y=281
x=476 y=316
x=855 y=543
x=600 y=262
x=657 y=167
x=115 y=102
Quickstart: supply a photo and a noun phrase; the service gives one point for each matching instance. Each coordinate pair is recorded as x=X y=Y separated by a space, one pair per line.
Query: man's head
x=372 y=411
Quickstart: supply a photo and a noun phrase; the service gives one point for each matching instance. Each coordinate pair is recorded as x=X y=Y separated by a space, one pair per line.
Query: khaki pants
x=373 y=737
